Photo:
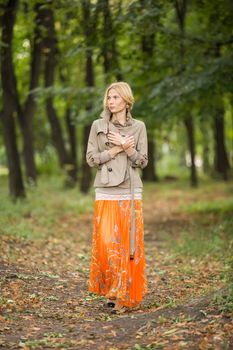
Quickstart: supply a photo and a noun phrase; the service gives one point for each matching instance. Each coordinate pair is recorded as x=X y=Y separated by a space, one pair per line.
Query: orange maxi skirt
x=112 y=273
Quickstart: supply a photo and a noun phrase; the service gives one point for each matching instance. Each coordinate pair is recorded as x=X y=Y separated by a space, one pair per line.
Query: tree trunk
x=16 y=186
x=25 y=115
x=204 y=128
x=49 y=72
x=109 y=47
x=86 y=172
x=191 y=143
x=205 y=156
x=147 y=47
x=221 y=162
x=71 y=130
x=148 y=173
x=30 y=103
x=89 y=26
x=73 y=145
x=56 y=130
x=180 y=8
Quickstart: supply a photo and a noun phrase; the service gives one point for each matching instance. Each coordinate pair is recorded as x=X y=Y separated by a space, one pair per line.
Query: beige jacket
x=115 y=171
x=121 y=170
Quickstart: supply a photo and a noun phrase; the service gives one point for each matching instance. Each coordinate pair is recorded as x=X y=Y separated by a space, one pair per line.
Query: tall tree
x=16 y=186
x=221 y=162
x=181 y=8
x=71 y=131
x=50 y=50
x=147 y=48
x=204 y=128
x=26 y=114
x=149 y=173
x=109 y=44
x=89 y=21
x=217 y=43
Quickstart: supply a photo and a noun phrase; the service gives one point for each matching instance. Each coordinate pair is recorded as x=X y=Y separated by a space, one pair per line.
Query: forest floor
x=44 y=300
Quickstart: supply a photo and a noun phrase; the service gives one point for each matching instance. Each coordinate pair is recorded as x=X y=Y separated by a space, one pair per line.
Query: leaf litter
x=45 y=303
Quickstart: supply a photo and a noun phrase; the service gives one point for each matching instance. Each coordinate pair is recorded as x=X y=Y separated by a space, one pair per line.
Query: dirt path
x=45 y=304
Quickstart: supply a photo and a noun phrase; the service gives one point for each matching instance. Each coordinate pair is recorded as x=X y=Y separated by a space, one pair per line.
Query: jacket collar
x=103 y=125
x=106 y=115
x=127 y=123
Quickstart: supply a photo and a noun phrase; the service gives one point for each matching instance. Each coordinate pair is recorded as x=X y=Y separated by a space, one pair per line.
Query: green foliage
x=172 y=91
x=147 y=54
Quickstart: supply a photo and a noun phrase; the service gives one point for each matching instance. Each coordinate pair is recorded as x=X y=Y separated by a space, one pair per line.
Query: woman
x=117 y=145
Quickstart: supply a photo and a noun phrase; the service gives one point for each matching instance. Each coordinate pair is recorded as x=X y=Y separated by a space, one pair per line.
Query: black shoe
x=118 y=311
x=110 y=304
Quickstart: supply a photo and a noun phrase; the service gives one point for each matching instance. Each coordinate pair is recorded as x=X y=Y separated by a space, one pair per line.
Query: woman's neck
x=119 y=116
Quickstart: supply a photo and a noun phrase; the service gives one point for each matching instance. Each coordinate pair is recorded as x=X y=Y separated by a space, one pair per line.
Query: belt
x=132 y=215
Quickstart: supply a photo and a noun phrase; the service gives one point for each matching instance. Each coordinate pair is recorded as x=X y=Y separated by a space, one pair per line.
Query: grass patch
x=209 y=238
x=35 y=216
x=224 y=301
x=216 y=239
x=220 y=206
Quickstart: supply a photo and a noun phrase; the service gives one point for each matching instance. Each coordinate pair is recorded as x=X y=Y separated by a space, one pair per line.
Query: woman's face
x=115 y=102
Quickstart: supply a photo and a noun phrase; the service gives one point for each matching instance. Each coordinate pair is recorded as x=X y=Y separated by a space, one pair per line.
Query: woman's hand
x=115 y=150
x=115 y=137
x=129 y=145
x=128 y=142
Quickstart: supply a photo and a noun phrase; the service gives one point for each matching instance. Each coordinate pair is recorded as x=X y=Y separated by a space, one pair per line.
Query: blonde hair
x=124 y=90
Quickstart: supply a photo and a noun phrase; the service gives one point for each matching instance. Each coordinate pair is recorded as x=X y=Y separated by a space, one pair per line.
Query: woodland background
x=56 y=59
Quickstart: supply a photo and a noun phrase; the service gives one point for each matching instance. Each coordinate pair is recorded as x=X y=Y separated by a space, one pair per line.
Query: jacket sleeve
x=139 y=158
x=93 y=156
